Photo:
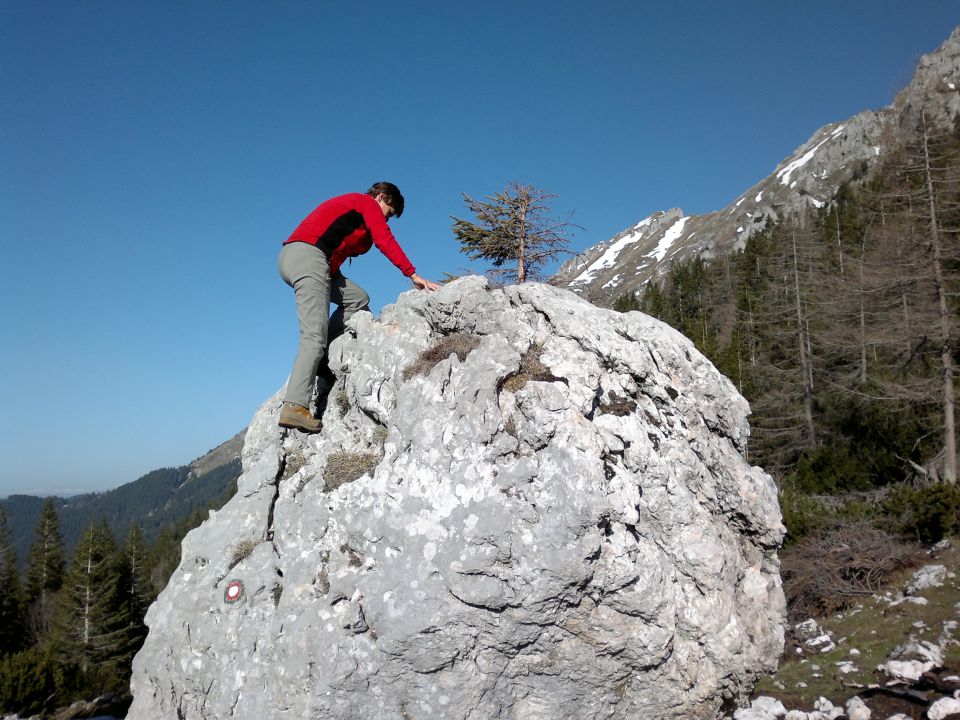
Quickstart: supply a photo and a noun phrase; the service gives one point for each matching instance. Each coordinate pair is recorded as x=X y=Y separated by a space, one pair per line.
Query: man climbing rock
x=340 y=228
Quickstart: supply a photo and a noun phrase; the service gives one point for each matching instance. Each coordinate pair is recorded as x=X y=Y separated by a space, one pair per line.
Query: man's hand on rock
x=424 y=284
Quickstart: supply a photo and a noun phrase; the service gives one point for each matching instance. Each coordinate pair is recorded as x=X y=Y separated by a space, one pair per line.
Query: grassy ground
x=864 y=636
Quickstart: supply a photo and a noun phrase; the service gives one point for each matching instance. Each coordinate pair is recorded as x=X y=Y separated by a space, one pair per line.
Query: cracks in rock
x=268 y=534
x=654 y=358
x=281 y=469
x=371 y=415
x=236 y=701
x=611 y=458
x=604 y=525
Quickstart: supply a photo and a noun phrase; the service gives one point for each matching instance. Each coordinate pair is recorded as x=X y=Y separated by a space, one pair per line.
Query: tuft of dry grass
x=343 y=402
x=343 y=467
x=531 y=368
x=242 y=550
x=293 y=462
x=617 y=406
x=459 y=344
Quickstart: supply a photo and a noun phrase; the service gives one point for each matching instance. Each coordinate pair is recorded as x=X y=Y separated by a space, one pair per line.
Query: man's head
x=390 y=194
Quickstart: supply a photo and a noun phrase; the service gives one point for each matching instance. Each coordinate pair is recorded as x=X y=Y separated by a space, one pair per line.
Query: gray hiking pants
x=307 y=270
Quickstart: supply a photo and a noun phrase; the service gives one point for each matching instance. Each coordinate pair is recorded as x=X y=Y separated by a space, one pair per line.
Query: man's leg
x=307 y=271
x=350 y=297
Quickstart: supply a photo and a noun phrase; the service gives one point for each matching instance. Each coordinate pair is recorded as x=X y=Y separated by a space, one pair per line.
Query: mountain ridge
x=808 y=178
x=158 y=498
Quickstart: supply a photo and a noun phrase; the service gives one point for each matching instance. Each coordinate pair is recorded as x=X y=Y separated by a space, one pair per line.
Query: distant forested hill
x=159 y=499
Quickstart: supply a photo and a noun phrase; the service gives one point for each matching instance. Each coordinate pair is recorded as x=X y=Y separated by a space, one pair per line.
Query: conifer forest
x=839 y=327
x=71 y=622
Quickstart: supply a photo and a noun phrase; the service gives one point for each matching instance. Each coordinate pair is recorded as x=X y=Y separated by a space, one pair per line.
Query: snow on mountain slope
x=808 y=178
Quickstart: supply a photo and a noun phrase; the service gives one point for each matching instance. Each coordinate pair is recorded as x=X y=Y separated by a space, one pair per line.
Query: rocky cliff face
x=809 y=178
x=556 y=523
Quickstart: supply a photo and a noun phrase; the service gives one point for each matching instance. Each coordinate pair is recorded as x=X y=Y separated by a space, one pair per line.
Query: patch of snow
x=816 y=203
x=738 y=202
x=669 y=237
x=784 y=175
x=610 y=256
x=740 y=229
x=759 y=195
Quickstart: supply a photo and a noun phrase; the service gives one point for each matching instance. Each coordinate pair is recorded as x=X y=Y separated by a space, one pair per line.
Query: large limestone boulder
x=561 y=524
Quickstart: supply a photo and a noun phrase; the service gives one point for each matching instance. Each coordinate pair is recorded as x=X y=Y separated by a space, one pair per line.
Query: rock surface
x=559 y=525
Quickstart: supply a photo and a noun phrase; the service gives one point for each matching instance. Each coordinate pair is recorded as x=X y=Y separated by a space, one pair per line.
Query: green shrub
x=927 y=514
x=830 y=469
x=27 y=681
x=802 y=515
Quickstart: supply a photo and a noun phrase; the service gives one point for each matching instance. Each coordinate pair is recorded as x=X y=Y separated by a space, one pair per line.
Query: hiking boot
x=299 y=418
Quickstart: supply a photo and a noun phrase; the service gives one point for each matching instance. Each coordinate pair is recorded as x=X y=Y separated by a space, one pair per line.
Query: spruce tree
x=44 y=572
x=91 y=627
x=135 y=591
x=514 y=231
x=11 y=597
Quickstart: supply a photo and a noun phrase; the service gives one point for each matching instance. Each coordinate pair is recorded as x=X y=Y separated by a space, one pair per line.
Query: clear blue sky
x=153 y=156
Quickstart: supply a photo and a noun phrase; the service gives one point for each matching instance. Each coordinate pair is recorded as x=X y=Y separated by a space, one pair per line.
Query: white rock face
x=857 y=709
x=926 y=577
x=910 y=660
x=590 y=543
x=943 y=708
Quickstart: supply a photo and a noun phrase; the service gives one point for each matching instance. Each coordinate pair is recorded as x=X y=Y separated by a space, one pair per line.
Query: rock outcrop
x=554 y=520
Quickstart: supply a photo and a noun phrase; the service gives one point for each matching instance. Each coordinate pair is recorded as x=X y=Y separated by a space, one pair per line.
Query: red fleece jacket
x=347 y=226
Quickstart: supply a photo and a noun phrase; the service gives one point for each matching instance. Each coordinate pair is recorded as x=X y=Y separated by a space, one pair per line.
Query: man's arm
x=384 y=239
x=387 y=244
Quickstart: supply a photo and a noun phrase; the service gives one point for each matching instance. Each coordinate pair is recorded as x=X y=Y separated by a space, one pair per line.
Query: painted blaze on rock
x=559 y=525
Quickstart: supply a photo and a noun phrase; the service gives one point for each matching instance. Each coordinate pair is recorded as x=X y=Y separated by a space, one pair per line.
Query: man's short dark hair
x=394 y=198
